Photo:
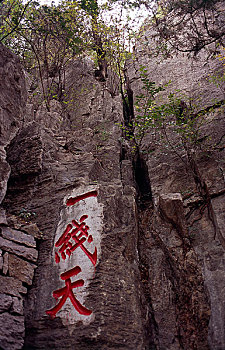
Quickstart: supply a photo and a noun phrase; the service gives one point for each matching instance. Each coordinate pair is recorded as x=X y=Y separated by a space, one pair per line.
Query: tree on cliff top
x=45 y=37
x=48 y=37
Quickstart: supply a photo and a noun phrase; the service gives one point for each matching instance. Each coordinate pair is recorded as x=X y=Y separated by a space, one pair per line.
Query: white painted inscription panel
x=76 y=252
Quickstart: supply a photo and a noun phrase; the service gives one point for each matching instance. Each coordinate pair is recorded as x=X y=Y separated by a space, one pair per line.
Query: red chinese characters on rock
x=67 y=292
x=78 y=232
x=74 y=236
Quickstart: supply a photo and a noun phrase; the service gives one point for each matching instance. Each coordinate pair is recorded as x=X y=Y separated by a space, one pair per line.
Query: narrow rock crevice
x=140 y=168
x=178 y=270
x=142 y=179
x=151 y=331
x=144 y=211
x=123 y=153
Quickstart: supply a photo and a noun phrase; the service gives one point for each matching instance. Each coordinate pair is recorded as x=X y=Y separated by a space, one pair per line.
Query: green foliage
x=51 y=32
x=167 y=119
x=90 y=6
x=26 y=215
x=45 y=37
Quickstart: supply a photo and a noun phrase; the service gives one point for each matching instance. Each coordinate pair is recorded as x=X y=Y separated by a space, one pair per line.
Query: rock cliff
x=18 y=253
x=102 y=247
x=183 y=238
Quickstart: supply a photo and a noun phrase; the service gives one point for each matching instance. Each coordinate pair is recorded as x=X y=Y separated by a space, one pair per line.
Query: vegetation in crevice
x=130 y=150
x=176 y=126
x=176 y=123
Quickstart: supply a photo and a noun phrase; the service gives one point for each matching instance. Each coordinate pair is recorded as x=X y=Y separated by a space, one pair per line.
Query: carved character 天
x=73 y=237
x=67 y=292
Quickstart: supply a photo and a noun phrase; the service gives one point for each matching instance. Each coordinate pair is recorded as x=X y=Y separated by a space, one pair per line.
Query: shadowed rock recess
x=101 y=247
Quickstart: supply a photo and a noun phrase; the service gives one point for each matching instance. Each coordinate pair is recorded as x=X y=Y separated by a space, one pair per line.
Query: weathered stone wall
x=18 y=253
x=66 y=154
x=12 y=102
x=18 y=257
x=140 y=251
x=182 y=254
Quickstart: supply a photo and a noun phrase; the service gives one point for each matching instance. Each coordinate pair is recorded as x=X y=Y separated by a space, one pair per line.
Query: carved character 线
x=79 y=234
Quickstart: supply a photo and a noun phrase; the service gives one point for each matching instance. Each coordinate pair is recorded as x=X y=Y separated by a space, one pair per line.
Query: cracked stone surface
x=159 y=278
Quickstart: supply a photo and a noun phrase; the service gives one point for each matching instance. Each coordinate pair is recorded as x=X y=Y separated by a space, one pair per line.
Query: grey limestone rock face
x=5 y=302
x=13 y=94
x=12 y=102
x=21 y=250
x=146 y=270
x=80 y=155
x=17 y=248
x=180 y=248
x=14 y=330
